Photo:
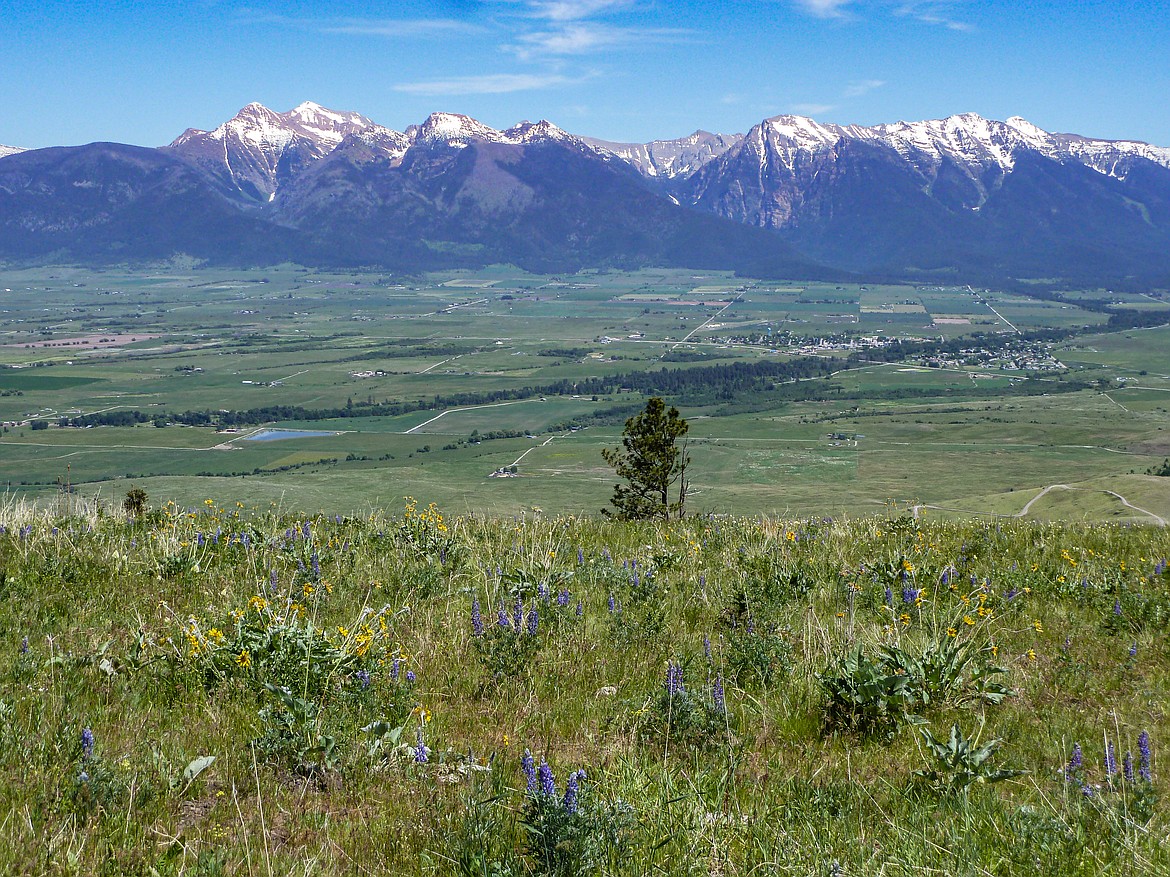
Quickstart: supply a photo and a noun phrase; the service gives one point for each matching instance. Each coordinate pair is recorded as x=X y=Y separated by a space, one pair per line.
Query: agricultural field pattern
x=496 y=390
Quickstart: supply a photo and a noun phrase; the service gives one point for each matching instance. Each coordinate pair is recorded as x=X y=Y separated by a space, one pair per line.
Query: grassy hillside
x=228 y=690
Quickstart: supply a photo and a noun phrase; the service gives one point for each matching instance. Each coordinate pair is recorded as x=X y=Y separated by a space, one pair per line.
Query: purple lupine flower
x=502 y=617
x=717 y=696
x=707 y=648
x=1133 y=650
x=946 y=577
x=702 y=580
x=580 y=556
x=1144 y=756
x=306 y=531
x=533 y=621
x=1127 y=767
x=674 y=678
x=529 y=767
x=24 y=646
x=518 y=616
x=572 y=790
x=1074 y=763
x=548 y=785
x=420 y=750
x=910 y=595
x=410 y=677
x=1117 y=607
x=199 y=539
x=889 y=596
x=86 y=744
x=580 y=609
x=442 y=557
x=542 y=591
x=1110 y=760
x=363 y=676
x=316 y=566
x=612 y=603
x=1011 y=595
x=563 y=598
x=83 y=777
x=476 y=618
x=395 y=663
x=605 y=553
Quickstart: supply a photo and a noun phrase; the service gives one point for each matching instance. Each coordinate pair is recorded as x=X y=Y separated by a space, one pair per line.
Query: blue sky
x=140 y=72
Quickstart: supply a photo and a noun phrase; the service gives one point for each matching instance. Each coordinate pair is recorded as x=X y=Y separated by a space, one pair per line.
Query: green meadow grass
x=221 y=689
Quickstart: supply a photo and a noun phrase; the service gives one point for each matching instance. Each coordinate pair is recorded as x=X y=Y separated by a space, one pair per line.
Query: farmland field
x=425 y=386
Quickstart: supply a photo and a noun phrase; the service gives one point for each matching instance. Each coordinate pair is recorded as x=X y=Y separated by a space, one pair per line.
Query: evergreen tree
x=652 y=459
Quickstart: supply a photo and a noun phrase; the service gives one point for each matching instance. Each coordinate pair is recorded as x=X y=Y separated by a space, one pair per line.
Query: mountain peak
x=529 y=132
x=454 y=129
x=10 y=150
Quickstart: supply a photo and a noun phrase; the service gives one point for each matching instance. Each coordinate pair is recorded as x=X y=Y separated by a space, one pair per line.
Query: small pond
x=275 y=435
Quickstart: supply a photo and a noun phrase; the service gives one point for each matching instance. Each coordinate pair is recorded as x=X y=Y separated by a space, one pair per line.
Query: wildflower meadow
x=229 y=690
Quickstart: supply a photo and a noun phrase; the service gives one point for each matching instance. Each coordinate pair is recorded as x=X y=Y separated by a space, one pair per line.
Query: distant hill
x=962 y=196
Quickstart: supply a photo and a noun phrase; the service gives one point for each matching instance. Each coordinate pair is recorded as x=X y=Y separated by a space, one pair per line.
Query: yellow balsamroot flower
x=344 y=631
x=1031 y=653
x=244 y=659
x=967 y=619
x=258 y=603
x=307 y=589
x=905 y=619
x=1038 y=626
x=952 y=632
x=216 y=634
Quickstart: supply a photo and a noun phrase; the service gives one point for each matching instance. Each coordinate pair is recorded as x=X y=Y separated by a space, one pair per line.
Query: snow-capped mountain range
x=962 y=193
x=9 y=150
x=258 y=150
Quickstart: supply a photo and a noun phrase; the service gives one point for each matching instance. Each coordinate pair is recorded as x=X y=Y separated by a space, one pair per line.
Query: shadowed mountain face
x=961 y=196
x=542 y=202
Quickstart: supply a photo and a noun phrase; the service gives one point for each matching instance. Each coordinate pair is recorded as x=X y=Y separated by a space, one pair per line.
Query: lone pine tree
x=652 y=459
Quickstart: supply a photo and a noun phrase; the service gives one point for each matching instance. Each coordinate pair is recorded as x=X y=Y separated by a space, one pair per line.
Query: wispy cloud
x=812 y=109
x=489 y=83
x=824 y=8
x=575 y=10
x=938 y=13
x=402 y=28
x=862 y=87
x=587 y=37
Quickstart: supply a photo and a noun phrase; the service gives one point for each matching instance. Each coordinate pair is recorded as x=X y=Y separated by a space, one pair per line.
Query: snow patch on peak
x=325 y=125
x=1026 y=128
x=10 y=150
x=453 y=129
x=533 y=132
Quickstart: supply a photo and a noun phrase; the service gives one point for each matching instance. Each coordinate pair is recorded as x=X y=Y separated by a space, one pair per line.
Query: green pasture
x=289 y=336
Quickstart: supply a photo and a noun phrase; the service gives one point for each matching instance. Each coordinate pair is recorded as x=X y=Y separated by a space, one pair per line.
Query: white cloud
x=932 y=12
x=583 y=37
x=402 y=27
x=862 y=87
x=575 y=10
x=489 y=83
x=824 y=8
x=381 y=27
